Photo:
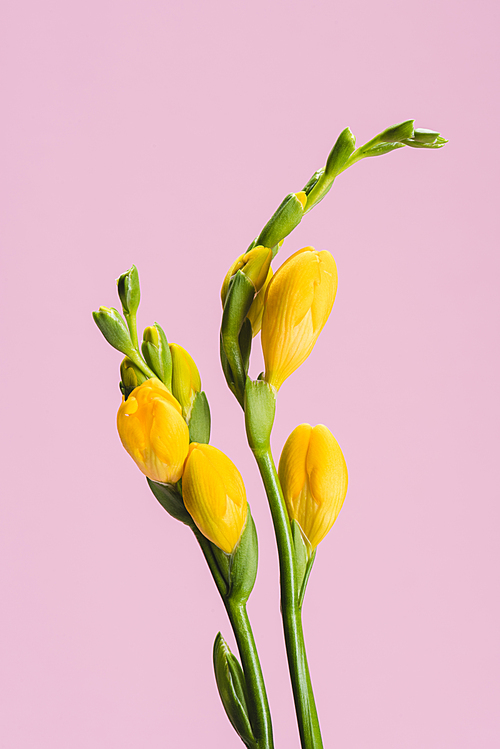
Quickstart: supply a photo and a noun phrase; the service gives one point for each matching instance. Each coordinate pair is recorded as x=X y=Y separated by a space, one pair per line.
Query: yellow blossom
x=254 y=264
x=153 y=431
x=313 y=476
x=298 y=302
x=214 y=495
x=257 y=308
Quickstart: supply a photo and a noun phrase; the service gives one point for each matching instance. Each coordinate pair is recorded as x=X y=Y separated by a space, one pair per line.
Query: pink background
x=165 y=134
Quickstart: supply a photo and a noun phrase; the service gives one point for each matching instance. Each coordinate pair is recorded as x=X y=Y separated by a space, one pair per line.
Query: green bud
x=112 y=326
x=131 y=376
x=284 y=220
x=199 y=421
x=335 y=163
x=129 y=291
x=232 y=690
x=156 y=352
x=243 y=563
x=343 y=148
x=239 y=298
x=423 y=138
x=260 y=408
x=394 y=134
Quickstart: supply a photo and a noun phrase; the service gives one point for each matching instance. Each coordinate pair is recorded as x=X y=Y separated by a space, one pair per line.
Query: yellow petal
x=214 y=495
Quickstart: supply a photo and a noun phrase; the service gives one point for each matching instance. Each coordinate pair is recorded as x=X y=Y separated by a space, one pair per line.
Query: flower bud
x=423 y=138
x=254 y=264
x=131 y=376
x=298 y=302
x=287 y=216
x=214 y=495
x=313 y=476
x=321 y=182
x=156 y=352
x=186 y=381
x=112 y=326
x=129 y=291
x=153 y=431
x=256 y=310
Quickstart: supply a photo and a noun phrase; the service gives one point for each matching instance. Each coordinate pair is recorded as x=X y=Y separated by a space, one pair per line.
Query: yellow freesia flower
x=313 y=476
x=153 y=431
x=254 y=264
x=214 y=495
x=298 y=302
x=256 y=310
x=186 y=380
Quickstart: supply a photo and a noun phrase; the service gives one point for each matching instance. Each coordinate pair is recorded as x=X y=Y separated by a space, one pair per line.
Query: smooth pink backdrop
x=165 y=134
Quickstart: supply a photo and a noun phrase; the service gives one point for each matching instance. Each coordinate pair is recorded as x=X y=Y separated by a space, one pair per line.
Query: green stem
x=132 y=326
x=257 y=698
x=305 y=707
x=258 y=705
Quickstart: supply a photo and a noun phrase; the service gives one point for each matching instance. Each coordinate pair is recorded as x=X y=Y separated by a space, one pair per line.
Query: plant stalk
x=305 y=707
x=258 y=706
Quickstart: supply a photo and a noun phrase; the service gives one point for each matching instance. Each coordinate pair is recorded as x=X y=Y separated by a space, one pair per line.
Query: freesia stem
x=307 y=717
x=257 y=697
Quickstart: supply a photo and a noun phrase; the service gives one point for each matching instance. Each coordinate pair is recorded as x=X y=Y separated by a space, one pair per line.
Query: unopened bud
x=129 y=291
x=131 y=376
x=113 y=327
x=156 y=352
x=254 y=264
x=186 y=381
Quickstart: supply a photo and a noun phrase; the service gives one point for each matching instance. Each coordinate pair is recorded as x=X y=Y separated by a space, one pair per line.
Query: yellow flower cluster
x=155 y=434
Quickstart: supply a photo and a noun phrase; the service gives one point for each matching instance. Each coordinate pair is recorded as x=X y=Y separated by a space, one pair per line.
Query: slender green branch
x=258 y=705
x=257 y=698
x=307 y=717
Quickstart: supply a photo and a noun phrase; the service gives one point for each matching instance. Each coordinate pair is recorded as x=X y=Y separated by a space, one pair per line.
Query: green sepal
x=156 y=352
x=337 y=159
x=243 y=563
x=287 y=216
x=113 y=327
x=303 y=559
x=245 y=339
x=199 y=420
x=171 y=501
x=223 y=562
x=260 y=409
x=238 y=301
x=232 y=690
x=228 y=374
